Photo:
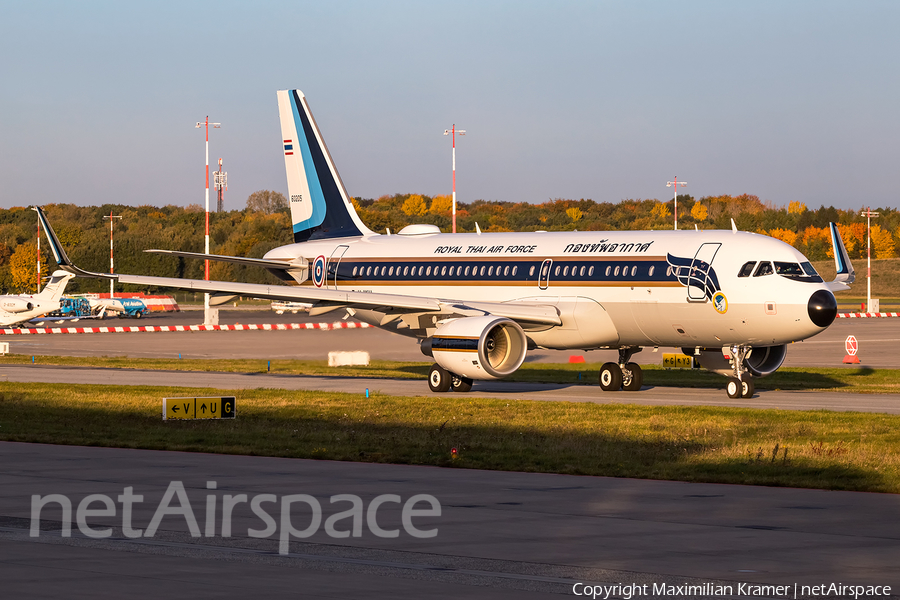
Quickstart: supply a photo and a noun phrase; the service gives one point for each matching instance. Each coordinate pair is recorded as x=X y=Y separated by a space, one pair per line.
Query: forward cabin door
x=700 y=280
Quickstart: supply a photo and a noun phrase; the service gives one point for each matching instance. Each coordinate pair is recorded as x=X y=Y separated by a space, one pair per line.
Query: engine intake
x=763 y=360
x=479 y=347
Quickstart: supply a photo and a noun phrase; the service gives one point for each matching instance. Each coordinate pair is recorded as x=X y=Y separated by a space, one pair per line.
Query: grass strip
x=862 y=379
x=812 y=449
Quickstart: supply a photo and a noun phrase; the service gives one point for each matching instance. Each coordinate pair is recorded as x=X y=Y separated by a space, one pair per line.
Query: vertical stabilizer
x=56 y=287
x=320 y=206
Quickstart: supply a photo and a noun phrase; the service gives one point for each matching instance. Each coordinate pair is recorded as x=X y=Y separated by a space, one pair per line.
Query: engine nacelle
x=763 y=360
x=479 y=347
x=15 y=305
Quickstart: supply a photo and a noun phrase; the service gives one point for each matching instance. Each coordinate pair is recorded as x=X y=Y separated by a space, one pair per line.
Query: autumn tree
x=23 y=267
x=699 y=212
x=415 y=206
x=266 y=202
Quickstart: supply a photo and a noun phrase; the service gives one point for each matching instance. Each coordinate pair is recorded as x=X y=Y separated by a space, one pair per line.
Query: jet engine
x=15 y=305
x=763 y=360
x=479 y=347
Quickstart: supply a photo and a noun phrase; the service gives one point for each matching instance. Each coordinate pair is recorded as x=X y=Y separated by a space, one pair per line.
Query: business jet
x=479 y=302
x=26 y=307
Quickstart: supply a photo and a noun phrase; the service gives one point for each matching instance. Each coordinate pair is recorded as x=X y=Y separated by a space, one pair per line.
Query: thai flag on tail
x=288 y=148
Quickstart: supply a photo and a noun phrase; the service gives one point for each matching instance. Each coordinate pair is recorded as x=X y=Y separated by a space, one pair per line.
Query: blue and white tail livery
x=320 y=206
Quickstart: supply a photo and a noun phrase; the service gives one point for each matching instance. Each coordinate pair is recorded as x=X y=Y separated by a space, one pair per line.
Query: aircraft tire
x=610 y=377
x=747 y=388
x=734 y=388
x=438 y=379
x=632 y=377
x=460 y=384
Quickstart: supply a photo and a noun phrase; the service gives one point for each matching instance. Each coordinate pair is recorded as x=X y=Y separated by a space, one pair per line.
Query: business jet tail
x=845 y=273
x=320 y=206
x=56 y=287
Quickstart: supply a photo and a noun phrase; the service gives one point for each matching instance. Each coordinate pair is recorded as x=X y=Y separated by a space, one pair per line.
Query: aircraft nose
x=822 y=308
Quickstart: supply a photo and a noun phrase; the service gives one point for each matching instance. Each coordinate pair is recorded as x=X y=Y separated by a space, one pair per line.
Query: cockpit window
x=747 y=269
x=808 y=269
x=786 y=268
x=764 y=268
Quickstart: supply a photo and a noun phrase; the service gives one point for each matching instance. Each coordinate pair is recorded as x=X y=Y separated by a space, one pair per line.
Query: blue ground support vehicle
x=132 y=307
x=72 y=308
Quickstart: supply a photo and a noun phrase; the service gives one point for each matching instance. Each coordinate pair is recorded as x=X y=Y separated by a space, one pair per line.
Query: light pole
x=453 y=133
x=39 y=258
x=675 y=184
x=869 y=214
x=208 y=315
x=111 y=218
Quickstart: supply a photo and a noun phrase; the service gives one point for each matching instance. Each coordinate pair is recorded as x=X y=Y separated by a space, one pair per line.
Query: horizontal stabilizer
x=258 y=262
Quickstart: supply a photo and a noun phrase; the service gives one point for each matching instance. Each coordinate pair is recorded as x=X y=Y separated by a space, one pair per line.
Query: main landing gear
x=441 y=380
x=625 y=375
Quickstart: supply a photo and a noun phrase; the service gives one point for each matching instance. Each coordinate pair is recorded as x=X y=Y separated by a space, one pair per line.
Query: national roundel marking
x=720 y=303
x=851 y=345
x=319 y=271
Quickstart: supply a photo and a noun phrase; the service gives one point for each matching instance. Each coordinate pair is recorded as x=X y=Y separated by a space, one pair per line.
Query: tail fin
x=320 y=206
x=845 y=274
x=56 y=287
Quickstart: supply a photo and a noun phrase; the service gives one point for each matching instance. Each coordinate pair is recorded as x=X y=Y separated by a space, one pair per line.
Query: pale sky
x=602 y=100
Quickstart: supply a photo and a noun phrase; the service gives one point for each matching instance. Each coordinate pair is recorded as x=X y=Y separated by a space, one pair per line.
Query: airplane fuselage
x=621 y=288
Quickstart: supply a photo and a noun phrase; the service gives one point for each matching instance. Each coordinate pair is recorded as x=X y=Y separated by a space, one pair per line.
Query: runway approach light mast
x=111 y=218
x=675 y=184
x=869 y=214
x=210 y=316
x=453 y=133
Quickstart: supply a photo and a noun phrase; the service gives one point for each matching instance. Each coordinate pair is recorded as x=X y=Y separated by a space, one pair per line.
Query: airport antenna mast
x=206 y=311
x=676 y=183
x=220 y=180
x=453 y=133
x=111 y=218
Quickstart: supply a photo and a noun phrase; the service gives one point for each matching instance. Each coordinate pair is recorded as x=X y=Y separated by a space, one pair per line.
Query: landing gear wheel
x=734 y=387
x=460 y=384
x=747 y=388
x=632 y=377
x=438 y=379
x=610 y=377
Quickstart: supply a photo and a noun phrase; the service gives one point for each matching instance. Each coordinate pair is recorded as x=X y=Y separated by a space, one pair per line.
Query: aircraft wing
x=518 y=311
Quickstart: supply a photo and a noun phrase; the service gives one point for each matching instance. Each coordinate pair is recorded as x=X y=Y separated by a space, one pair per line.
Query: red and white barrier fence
x=859 y=315
x=171 y=328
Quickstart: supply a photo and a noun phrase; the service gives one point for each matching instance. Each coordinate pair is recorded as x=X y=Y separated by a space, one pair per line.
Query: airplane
x=26 y=307
x=479 y=302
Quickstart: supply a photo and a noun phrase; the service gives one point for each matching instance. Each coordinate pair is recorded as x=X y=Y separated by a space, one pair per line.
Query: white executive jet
x=478 y=302
x=25 y=307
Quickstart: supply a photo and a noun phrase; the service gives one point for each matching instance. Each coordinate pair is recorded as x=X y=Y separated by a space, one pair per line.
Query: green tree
x=267 y=202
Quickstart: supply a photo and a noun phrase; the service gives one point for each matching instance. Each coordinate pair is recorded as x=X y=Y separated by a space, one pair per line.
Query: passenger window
x=467 y=270
x=566 y=271
x=491 y=271
x=406 y=270
x=591 y=271
x=516 y=268
x=531 y=271
x=764 y=268
x=354 y=271
x=581 y=272
x=428 y=271
x=747 y=269
x=556 y=272
x=443 y=271
x=368 y=271
x=608 y=270
x=482 y=270
x=652 y=268
x=634 y=270
x=506 y=270
x=669 y=271
x=616 y=272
